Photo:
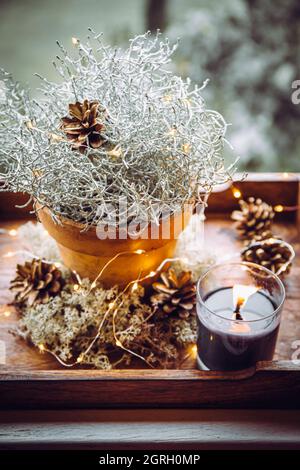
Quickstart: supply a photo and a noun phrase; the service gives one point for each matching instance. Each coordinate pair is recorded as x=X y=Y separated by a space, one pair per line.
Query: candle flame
x=241 y=294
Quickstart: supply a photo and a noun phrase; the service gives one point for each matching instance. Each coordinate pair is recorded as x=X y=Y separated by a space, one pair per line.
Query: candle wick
x=237 y=311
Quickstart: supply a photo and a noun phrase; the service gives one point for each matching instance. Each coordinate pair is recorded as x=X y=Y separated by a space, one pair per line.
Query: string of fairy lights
x=113 y=307
x=237 y=194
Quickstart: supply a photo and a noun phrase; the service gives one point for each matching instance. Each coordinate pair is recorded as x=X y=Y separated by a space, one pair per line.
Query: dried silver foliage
x=165 y=146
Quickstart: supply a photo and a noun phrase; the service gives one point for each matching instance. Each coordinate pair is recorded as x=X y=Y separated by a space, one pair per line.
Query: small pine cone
x=273 y=254
x=254 y=220
x=174 y=294
x=84 y=127
x=36 y=282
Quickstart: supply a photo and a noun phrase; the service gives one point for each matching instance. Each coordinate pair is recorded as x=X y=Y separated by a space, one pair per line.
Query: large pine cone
x=84 y=127
x=36 y=282
x=273 y=254
x=254 y=220
x=174 y=294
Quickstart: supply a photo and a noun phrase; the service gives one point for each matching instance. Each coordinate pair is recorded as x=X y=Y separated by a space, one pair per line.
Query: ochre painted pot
x=82 y=251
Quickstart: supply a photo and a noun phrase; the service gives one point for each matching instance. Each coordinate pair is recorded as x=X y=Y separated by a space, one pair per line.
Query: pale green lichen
x=69 y=322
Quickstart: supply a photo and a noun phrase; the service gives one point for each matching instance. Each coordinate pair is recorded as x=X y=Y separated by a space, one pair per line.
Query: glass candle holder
x=239 y=308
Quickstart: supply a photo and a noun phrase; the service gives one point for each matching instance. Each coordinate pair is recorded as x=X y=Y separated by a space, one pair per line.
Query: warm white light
x=6 y=313
x=186 y=147
x=76 y=287
x=29 y=125
x=140 y=252
x=186 y=101
x=41 y=347
x=75 y=41
x=240 y=327
x=111 y=304
x=241 y=294
x=172 y=132
x=13 y=232
x=152 y=273
x=115 y=152
x=134 y=287
x=9 y=254
x=278 y=208
x=236 y=193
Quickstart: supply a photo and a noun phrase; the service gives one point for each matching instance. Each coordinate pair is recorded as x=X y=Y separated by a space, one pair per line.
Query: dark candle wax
x=224 y=344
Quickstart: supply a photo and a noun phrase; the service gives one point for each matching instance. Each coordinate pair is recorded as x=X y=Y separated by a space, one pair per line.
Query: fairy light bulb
x=186 y=147
x=79 y=358
x=13 y=232
x=134 y=287
x=236 y=193
x=140 y=252
x=278 y=208
x=29 y=125
x=75 y=41
x=172 y=132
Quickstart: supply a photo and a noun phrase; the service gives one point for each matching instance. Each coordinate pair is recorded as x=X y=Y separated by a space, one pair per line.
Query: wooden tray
x=29 y=379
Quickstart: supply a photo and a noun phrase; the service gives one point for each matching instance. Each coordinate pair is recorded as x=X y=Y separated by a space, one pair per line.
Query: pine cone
x=36 y=282
x=175 y=294
x=84 y=127
x=254 y=220
x=273 y=254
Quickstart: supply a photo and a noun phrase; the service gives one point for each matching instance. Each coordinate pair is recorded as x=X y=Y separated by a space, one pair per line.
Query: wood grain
x=30 y=379
x=171 y=429
x=271 y=385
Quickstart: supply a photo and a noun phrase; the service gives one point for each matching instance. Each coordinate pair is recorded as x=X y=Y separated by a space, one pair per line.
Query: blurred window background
x=248 y=49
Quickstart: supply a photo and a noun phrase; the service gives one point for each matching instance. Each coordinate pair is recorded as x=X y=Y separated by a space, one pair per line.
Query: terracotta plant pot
x=83 y=252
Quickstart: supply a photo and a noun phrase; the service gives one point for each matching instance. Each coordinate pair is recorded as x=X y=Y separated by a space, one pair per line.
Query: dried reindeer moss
x=67 y=324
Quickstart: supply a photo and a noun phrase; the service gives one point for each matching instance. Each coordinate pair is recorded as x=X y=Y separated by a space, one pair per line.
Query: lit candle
x=237 y=324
